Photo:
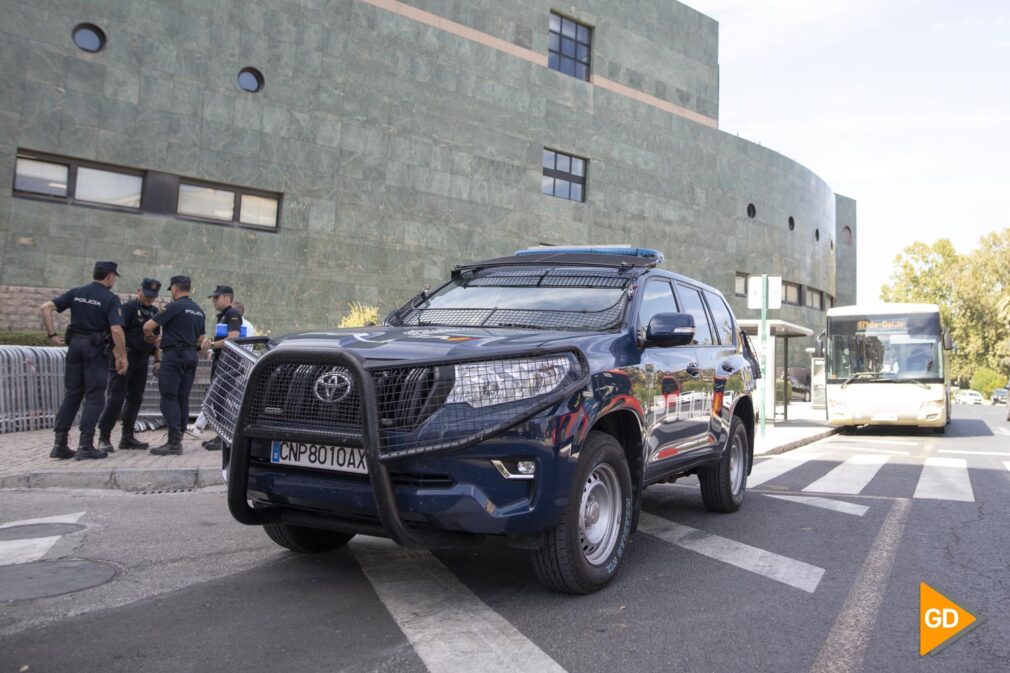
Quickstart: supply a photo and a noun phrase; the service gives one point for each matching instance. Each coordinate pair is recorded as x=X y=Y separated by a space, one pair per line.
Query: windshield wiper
x=860 y=375
x=917 y=382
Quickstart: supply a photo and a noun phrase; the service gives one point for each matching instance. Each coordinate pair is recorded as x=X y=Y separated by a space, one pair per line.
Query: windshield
x=885 y=348
x=539 y=298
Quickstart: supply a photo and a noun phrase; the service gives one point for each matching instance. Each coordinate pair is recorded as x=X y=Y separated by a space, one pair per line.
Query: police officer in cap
x=130 y=386
x=96 y=325
x=182 y=330
x=228 y=327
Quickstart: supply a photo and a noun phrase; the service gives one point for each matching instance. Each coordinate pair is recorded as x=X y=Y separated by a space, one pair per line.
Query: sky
x=903 y=105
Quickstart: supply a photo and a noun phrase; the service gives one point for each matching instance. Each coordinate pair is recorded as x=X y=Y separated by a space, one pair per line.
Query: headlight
x=485 y=384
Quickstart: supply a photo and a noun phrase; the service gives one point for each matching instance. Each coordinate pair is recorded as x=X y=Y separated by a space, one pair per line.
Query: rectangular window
x=207 y=202
x=41 y=177
x=564 y=175
x=258 y=210
x=741 y=285
x=815 y=299
x=108 y=187
x=791 y=294
x=568 y=47
x=831 y=301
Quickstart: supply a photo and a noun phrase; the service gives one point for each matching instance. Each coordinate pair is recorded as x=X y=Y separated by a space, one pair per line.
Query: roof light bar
x=619 y=250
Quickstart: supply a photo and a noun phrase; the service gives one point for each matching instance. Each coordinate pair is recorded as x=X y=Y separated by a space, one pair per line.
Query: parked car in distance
x=970 y=397
x=999 y=396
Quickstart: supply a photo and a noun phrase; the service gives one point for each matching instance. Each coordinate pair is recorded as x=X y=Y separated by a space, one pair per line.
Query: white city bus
x=886 y=364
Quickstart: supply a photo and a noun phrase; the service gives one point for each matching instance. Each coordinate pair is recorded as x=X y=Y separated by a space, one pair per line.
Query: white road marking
x=874 y=440
x=965 y=452
x=767 y=470
x=13 y=552
x=845 y=647
x=891 y=452
x=1003 y=431
x=824 y=503
x=945 y=479
x=449 y=627
x=759 y=561
x=850 y=477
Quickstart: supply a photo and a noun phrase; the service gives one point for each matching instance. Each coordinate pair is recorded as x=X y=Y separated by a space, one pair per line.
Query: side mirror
x=948 y=342
x=670 y=329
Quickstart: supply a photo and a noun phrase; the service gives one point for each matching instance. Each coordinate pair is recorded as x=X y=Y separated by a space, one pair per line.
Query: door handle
x=693 y=369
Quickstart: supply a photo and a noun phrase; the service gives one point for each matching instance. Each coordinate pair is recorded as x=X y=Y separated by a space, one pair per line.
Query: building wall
x=402 y=144
x=845 y=221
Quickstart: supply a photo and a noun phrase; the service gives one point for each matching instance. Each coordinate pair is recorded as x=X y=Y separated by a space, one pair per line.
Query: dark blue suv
x=533 y=397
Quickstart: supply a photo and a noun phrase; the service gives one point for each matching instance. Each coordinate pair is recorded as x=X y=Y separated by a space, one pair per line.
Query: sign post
x=764 y=292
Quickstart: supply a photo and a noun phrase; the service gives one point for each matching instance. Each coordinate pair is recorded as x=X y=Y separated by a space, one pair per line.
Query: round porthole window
x=792 y=223
x=89 y=37
x=817 y=234
x=751 y=211
x=250 y=79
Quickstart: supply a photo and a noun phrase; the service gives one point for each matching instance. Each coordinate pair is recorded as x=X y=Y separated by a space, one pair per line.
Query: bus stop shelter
x=778 y=330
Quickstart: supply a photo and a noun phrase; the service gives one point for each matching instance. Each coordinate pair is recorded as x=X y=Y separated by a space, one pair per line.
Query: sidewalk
x=805 y=426
x=25 y=461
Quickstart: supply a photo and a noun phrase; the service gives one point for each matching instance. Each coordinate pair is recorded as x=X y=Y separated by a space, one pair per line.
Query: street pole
x=764 y=347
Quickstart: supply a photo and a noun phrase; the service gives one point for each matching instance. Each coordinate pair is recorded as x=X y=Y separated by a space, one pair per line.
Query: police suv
x=533 y=397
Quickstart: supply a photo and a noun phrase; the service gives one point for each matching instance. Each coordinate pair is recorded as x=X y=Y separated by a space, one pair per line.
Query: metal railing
x=32 y=388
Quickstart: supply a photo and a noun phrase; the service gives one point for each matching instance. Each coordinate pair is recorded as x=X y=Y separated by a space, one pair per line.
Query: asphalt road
x=819 y=571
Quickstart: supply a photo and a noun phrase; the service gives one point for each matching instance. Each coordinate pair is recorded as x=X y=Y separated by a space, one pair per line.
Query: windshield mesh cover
x=559 y=299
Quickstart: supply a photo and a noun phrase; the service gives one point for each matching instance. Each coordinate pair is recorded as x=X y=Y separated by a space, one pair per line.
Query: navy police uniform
x=129 y=387
x=182 y=329
x=94 y=310
x=228 y=320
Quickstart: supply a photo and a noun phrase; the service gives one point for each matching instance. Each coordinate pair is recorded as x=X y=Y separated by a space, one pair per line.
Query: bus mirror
x=948 y=342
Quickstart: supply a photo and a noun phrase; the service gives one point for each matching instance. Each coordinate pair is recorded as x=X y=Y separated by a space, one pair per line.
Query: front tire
x=306 y=540
x=723 y=485
x=583 y=553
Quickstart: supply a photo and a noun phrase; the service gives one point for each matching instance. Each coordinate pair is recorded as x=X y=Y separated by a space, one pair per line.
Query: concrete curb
x=131 y=479
x=795 y=444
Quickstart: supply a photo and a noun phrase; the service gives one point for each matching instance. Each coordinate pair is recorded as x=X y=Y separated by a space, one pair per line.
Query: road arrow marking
x=24 y=551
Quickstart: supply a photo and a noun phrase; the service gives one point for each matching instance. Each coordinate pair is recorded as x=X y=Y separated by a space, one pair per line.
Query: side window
x=656 y=298
x=722 y=317
x=693 y=305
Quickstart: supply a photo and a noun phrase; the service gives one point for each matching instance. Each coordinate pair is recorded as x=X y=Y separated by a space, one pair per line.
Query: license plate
x=884 y=417
x=319 y=456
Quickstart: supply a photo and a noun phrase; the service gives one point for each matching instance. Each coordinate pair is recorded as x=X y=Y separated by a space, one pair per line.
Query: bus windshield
x=885 y=348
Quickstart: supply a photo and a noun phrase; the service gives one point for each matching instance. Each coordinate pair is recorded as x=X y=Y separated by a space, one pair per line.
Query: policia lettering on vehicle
x=182 y=327
x=129 y=387
x=228 y=327
x=96 y=327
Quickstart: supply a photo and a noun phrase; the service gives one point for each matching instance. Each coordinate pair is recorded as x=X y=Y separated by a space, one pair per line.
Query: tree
x=973 y=292
x=985 y=381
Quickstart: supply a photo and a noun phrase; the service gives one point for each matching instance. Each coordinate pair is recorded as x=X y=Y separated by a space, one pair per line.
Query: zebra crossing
x=941 y=477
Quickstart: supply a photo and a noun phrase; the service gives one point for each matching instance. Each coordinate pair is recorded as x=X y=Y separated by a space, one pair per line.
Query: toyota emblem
x=333 y=386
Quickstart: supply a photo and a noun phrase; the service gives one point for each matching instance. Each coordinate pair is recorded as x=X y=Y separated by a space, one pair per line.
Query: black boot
x=105 y=441
x=213 y=444
x=173 y=447
x=61 y=447
x=128 y=441
x=86 y=449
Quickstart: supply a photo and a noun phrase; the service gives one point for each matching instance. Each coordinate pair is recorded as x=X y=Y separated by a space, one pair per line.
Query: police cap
x=150 y=286
x=182 y=280
x=106 y=267
x=222 y=289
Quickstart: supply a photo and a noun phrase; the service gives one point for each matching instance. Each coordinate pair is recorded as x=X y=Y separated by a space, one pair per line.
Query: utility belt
x=180 y=347
x=96 y=337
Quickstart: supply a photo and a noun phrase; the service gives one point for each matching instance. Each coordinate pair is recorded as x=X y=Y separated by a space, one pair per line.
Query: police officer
x=96 y=316
x=228 y=327
x=182 y=329
x=130 y=386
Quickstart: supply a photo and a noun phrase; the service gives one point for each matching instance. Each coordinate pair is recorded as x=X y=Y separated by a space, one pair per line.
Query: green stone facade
x=400 y=148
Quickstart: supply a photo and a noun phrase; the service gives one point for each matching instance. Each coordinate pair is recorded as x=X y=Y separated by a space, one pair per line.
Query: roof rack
x=608 y=260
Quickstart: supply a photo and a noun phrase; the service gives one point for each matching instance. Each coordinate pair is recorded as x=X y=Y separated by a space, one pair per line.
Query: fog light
x=520 y=469
x=526 y=467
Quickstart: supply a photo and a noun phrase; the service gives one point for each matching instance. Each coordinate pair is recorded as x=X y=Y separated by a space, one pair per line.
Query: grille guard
x=378 y=471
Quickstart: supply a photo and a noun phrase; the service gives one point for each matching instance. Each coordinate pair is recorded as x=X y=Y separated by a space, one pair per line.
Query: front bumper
x=472 y=499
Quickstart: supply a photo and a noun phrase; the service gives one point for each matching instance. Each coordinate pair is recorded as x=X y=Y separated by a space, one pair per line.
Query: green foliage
x=973 y=292
x=24 y=339
x=986 y=380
